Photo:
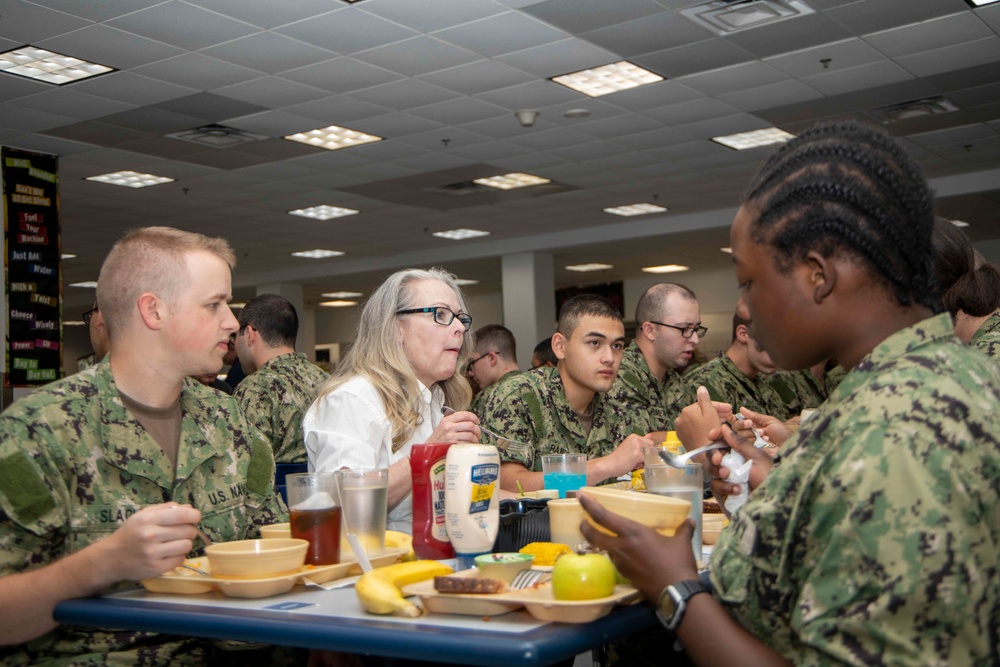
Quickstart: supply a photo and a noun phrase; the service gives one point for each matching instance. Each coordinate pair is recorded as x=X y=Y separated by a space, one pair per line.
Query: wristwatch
x=673 y=602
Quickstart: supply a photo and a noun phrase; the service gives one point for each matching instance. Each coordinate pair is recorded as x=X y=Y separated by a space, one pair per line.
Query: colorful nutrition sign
x=31 y=226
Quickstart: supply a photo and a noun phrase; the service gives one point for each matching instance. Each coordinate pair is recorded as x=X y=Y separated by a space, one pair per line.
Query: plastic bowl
x=276 y=530
x=257 y=558
x=503 y=566
x=711 y=527
x=662 y=513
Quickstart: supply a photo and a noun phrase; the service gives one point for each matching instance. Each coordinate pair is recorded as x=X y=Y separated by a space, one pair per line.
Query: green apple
x=583 y=577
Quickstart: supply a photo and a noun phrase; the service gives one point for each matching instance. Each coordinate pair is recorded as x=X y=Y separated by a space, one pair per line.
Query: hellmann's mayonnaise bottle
x=471 y=501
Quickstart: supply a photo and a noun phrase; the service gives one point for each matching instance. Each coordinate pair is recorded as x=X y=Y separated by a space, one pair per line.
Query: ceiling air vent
x=460 y=189
x=929 y=106
x=217 y=136
x=729 y=16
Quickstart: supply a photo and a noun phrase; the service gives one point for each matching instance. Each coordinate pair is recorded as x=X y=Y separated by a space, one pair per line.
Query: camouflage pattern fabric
x=641 y=392
x=479 y=401
x=799 y=390
x=987 y=337
x=727 y=383
x=874 y=538
x=532 y=407
x=74 y=464
x=276 y=396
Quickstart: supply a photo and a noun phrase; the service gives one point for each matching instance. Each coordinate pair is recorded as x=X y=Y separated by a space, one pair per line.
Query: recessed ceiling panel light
x=727 y=249
x=237 y=306
x=340 y=295
x=323 y=212
x=89 y=284
x=961 y=223
x=981 y=3
x=48 y=66
x=66 y=255
x=333 y=137
x=460 y=234
x=666 y=268
x=461 y=282
x=318 y=253
x=511 y=181
x=338 y=303
x=130 y=179
x=608 y=79
x=755 y=139
x=636 y=209
x=74 y=323
x=589 y=267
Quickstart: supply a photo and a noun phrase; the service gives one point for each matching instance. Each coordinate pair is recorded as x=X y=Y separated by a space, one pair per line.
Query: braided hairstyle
x=847 y=188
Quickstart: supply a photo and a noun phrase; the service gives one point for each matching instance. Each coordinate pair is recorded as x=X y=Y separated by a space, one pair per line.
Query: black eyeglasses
x=686 y=332
x=89 y=315
x=443 y=316
x=470 y=363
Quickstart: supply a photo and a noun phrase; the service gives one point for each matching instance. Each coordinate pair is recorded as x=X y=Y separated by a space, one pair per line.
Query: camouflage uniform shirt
x=532 y=407
x=987 y=337
x=74 y=464
x=874 y=538
x=638 y=390
x=275 y=397
x=727 y=383
x=479 y=401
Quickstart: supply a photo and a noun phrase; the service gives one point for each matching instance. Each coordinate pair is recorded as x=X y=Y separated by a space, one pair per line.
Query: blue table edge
x=537 y=647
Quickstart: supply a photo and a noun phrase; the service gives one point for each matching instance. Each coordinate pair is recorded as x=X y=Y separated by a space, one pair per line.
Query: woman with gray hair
x=388 y=391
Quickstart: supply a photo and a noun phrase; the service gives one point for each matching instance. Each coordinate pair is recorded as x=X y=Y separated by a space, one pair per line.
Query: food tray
x=186 y=582
x=537 y=600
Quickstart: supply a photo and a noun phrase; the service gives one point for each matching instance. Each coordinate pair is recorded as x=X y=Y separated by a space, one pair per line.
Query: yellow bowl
x=276 y=530
x=257 y=558
x=711 y=527
x=661 y=513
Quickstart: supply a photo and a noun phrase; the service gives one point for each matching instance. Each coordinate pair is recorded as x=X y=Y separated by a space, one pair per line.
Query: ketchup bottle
x=430 y=534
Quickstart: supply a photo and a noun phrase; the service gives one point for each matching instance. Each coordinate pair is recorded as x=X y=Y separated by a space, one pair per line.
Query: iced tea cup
x=315 y=514
x=364 y=493
x=565 y=515
x=564 y=472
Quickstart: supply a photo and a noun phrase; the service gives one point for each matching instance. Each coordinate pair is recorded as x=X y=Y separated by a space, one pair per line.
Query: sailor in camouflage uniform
x=987 y=336
x=739 y=376
x=493 y=359
x=281 y=383
x=669 y=328
x=565 y=409
x=99 y=488
x=873 y=539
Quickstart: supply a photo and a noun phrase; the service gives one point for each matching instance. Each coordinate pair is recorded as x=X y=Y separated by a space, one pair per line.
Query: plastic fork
x=527 y=579
x=759 y=442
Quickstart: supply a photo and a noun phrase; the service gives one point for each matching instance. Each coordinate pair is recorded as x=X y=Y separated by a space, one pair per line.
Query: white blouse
x=349 y=428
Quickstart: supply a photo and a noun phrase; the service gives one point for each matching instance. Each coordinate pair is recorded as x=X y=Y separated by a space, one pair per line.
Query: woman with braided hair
x=872 y=538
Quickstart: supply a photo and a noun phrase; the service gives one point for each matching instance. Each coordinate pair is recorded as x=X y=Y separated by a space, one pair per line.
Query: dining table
x=314 y=617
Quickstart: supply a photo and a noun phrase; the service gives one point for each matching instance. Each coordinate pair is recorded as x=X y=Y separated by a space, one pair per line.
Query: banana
x=397 y=540
x=379 y=591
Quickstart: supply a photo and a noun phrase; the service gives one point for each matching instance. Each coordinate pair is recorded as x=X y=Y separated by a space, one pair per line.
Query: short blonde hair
x=149 y=259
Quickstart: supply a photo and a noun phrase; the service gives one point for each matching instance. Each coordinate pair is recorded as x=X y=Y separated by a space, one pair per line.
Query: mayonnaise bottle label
x=484 y=480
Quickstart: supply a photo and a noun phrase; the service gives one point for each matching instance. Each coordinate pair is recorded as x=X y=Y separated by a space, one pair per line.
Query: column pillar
x=306 y=340
x=529 y=300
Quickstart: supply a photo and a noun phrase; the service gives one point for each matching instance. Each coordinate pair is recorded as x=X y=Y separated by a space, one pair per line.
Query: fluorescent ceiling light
x=588 y=267
x=745 y=140
x=318 y=253
x=727 y=249
x=665 y=268
x=333 y=138
x=460 y=234
x=48 y=66
x=66 y=255
x=461 y=282
x=963 y=223
x=74 y=323
x=981 y=3
x=323 y=212
x=636 y=209
x=89 y=284
x=608 y=79
x=340 y=295
x=130 y=179
x=511 y=181
x=338 y=304
x=237 y=306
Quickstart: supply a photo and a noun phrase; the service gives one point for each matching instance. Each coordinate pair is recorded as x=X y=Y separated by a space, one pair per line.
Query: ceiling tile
x=458 y=111
x=618 y=126
x=533 y=95
x=720 y=127
x=552 y=139
x=665 y=136
x=654 y=95
x=933 y=34
x=504 y=33
x=433 y=162
x=768 y=97
x=648 y=34
x=269 y=52
x=487 y=152
x=15 y=118
x=107 y=46
x=731 y=79
x=406 y=93
x=347 y=31
x=225 y=159
x=45 y=144
x=195 y=70
x=132 y=88
x=477 y=77
x=576 y=16
x=206 y=105
x=559 y=58
x=433 y=139
x=27 y=23
x=789 y=35
x=170 y=149
x=342 y=75
x=154 y=121
x=97 y=10
x=869 y=16
x=950 y=58
x=690 y=112
x=271 y=92
x=416 y=56
x=15 y=87
x=337 y=110
x=92 y=132
x=277 y=149
x=72 y=102
x=990 y=16
x=183 y=25
x=690 y=58
x=431 y=15
x=274 y=124
x=264 y=13
x=397 y=124
x=857 y=78
x=827 y=58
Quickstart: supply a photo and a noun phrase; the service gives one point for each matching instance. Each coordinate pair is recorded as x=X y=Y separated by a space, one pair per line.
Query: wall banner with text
x=32 y=266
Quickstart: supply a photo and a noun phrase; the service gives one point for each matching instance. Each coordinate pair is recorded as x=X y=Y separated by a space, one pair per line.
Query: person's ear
x=647 y=330
x=742 y=335
x=559 y=343
x=822 y=274
x=149 y=309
